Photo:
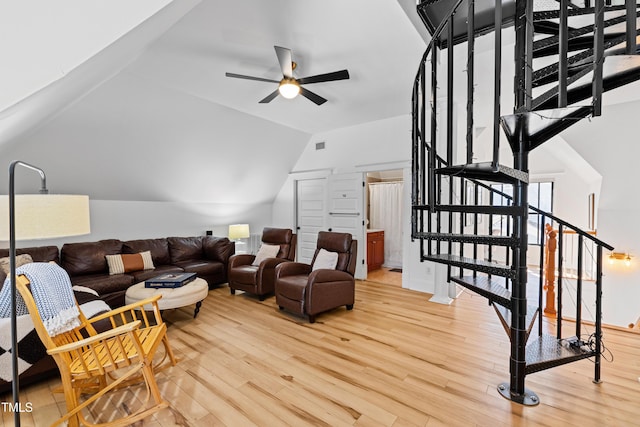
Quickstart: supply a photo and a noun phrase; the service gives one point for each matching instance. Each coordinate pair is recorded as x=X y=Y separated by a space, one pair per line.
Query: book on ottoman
x=170 y=280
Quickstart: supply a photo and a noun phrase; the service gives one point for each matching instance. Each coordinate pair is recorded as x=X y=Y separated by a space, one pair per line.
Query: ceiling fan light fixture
x=289 y=88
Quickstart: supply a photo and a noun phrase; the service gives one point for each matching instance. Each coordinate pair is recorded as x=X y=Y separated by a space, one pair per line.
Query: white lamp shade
x=238 y=231
x=46 y=216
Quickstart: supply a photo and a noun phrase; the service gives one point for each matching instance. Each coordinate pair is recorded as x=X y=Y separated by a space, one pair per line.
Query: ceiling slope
x=74 y=49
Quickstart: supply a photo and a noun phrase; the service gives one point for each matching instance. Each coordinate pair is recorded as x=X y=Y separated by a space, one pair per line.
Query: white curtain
x=385 y=203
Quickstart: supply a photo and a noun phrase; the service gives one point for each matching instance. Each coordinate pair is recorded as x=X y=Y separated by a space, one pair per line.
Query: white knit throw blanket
x=51 y=290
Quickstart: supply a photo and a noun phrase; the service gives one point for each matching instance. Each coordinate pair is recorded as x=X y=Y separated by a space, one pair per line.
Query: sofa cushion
x=218 y=248
x=104 y=284
x=159 y=249
x=325 y=260
x=185 y=248
x=20 y=260
x=266 y=251
x=245 y=274
x=204 y=269
x=89 y=257
x=38 y=254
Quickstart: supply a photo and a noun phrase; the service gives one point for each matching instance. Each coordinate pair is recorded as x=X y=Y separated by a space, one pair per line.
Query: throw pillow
x=325 y=260
x=20 y=260
x=126 y=263
x=265 y=251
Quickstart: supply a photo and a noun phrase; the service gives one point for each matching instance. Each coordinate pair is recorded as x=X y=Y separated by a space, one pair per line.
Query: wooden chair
x=99 y=363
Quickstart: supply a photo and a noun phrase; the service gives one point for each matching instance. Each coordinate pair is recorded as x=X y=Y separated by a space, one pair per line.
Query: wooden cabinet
x=375 y=249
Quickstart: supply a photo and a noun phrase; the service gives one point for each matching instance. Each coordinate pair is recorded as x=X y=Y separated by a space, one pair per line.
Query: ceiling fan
x=289 y=87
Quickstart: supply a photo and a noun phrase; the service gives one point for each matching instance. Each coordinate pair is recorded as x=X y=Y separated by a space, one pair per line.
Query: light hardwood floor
x=394 y=360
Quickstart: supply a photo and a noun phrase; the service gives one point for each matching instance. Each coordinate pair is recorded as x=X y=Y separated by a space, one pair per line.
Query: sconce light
x=620 y=256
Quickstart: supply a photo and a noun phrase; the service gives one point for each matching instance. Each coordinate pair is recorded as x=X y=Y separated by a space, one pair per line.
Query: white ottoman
x=191 y=293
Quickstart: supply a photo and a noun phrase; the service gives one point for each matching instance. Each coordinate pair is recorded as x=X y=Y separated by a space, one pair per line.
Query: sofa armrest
x=269 y=265
x=240 y=259
x=324 y=276
x=292 y=269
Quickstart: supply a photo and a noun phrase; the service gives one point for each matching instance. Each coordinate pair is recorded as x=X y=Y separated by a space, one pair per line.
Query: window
x=540 y=196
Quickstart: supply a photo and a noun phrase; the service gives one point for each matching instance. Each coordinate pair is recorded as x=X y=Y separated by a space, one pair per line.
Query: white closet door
x=311 y=211
x=346 y=212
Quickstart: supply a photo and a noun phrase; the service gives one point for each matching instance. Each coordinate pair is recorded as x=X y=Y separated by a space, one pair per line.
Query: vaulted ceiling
x=136 y=98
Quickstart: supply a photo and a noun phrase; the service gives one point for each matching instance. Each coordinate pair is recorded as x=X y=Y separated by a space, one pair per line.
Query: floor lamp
x=39 y=216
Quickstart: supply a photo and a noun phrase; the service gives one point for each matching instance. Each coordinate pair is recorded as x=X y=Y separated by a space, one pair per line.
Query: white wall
x=573 y=179
x=157 y=162
x=621 y=283
x=379 y=145
x=127 y=220
x=609 y=144
x=131 y=139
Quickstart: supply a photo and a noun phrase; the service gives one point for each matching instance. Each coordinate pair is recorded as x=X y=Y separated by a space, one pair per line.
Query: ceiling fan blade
x=317 y=99
x=269 y=97
x=260 y=79
x=328 y=77
x=284 y=58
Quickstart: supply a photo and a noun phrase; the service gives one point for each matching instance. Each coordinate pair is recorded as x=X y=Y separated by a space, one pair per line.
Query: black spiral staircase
x=586 y=50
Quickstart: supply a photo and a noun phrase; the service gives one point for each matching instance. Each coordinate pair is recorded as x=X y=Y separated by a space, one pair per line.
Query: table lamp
x=29 y=217
x=237 y=232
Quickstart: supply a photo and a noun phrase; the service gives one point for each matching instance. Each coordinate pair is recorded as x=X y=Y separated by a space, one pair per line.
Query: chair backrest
x=343 y=244
x=283 y=237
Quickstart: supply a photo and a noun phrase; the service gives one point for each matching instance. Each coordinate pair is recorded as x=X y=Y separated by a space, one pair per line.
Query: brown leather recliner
x=259 y=279
x=302 y=290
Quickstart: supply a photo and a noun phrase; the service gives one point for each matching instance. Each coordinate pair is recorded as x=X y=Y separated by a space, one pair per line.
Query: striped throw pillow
x=126 y=263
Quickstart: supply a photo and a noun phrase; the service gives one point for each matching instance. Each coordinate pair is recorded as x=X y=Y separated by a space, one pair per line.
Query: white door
x=310 y=215
x=346 y=212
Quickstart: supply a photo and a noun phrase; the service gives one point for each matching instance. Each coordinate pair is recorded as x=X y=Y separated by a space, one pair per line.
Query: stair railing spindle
x=541 y=271
x=470 y=77
x=490 y=225
x=497 y=76
x=463 y=201
x=450 y=90
x=563 y=48
x=433 y=129
x=631 y=30
x=415 y=150
x=450 y=225
x=476 y=198
x=598 y=348
x=579 y=289
x=559 y=287
x=438 y=213
x=598 y=57
x=509 y=220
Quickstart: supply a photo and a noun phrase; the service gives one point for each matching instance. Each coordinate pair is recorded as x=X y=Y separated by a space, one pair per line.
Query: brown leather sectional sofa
x=86 y=264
